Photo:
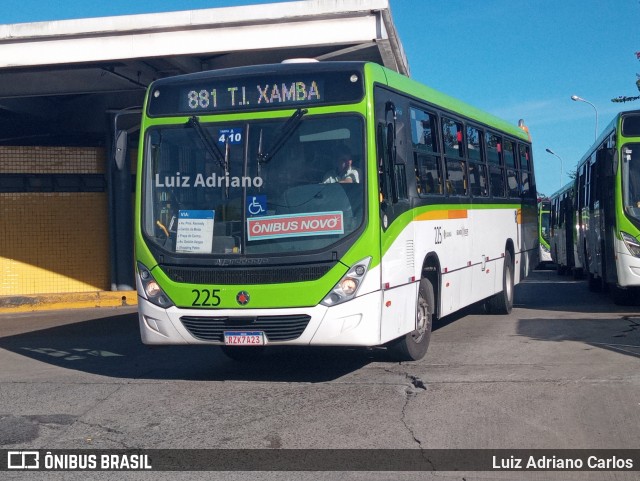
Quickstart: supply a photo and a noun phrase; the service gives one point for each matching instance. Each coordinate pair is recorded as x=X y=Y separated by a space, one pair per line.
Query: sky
x=515 y=59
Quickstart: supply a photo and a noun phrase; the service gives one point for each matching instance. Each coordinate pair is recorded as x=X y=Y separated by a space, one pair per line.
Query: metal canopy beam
x=345 y=51
x=195 y=33
x=109 y=61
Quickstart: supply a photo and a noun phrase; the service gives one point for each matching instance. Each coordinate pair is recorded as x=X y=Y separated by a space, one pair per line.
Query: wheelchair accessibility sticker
x=256 y=205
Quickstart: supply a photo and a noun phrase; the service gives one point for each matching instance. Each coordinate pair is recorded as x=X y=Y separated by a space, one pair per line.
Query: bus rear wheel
x=413 y=346
x=502 y=302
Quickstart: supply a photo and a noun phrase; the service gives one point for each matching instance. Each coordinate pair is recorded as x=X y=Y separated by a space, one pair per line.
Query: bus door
x=606 y=161
x=589 y=243
x=397 y=231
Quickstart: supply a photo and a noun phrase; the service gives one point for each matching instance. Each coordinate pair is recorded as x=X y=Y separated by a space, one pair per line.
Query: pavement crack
x=106 y=435
x=416 y=382
x=415 y=387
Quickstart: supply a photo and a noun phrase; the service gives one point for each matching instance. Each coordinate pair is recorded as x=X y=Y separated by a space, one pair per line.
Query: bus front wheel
x=413 y=346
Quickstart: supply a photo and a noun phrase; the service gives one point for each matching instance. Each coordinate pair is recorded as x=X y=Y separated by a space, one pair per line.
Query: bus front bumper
x=352 y=323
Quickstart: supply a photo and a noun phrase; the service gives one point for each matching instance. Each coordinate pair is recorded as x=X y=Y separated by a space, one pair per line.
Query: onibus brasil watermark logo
x=181 y=180
x=56 y=460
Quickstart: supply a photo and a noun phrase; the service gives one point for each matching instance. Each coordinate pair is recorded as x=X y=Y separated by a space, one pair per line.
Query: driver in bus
x=344 y=171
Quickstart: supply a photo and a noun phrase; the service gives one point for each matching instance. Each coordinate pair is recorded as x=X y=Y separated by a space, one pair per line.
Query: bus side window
x=400 y=175
x=424 y=135
x=456 y=177
x=593 y=197
x=513 y=180
x=477 y=169
x=385 y=192
x=526 y=178
x=493 y=146
x=452 y=137
x=478 y=179
x=453 y=141
x=428 y=174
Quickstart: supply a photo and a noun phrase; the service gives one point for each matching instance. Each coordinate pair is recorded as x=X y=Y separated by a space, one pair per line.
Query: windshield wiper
x=286 y=131
x=210 y=147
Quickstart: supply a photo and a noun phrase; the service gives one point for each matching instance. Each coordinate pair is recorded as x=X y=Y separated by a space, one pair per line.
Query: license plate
x=243 y=338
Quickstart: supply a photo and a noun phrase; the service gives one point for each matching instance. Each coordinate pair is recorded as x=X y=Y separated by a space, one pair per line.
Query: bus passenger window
x=452 y=136
x=423 y=131
x=493 y=145
x=512 y=183
x=428 y=174
x=526 y=188
x=474 y=146
x=456 y=178
x=525 y=162
x=509 y=154
x=478 y=179
x=494 y=148
x=496 y=175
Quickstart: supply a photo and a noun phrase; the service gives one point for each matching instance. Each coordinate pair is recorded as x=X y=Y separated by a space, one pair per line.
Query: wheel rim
x=509 y=284
x=422 y=315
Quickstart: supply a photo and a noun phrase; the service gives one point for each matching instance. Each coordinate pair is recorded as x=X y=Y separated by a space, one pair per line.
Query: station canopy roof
x=58 y=77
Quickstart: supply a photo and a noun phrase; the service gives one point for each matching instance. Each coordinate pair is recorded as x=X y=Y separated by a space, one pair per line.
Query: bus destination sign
x=231 y=97
x=252 y=92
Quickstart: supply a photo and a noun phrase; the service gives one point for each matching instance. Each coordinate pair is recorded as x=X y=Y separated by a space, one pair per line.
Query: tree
x=624 y=98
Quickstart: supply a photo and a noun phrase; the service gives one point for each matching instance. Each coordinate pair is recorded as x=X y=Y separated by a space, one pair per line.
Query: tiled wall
x=52 y=160
x=53 y=242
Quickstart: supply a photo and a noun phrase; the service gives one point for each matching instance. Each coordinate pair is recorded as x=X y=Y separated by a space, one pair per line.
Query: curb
x=78 y=300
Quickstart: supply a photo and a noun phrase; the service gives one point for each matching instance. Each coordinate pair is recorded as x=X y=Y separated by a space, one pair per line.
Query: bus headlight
x=632 y=243
x=152 y=289
x=347 y=287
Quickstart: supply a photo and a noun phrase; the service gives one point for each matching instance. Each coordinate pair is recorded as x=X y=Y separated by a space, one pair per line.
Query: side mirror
x=121 y=149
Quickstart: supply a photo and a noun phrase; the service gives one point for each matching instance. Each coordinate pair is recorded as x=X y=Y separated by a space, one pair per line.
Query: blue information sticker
x=196 y=214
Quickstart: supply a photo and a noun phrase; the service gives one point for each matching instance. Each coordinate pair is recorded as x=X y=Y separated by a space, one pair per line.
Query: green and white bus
x=564 y=234
x=324 y=203
x=608 y=207
x=544 y=230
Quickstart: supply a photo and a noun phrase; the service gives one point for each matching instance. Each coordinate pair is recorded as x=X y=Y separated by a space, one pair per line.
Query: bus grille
x=276 y=328
x=242 y=276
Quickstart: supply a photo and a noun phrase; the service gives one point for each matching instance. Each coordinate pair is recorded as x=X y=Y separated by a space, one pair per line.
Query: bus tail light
x=347 y=287
x=151 y=290
x=632 y=243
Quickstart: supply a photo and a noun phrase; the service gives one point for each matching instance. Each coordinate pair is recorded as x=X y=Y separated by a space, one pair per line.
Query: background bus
x=544 y=230
x=243 y=241
x=608 y=205
x=563 y=241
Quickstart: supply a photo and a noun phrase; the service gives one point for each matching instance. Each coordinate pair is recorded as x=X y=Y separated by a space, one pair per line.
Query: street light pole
x=553 y=153
x=575 y=98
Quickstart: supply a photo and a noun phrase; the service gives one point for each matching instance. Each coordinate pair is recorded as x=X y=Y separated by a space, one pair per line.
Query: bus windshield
x=631 y=180
x=254 y=187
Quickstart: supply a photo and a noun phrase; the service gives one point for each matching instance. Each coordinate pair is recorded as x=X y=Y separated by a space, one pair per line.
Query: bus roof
x=605 y=133
x=452 y=104
x=568 y=186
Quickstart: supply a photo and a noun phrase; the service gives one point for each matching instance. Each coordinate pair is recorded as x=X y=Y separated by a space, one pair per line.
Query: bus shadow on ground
x=617 y=334
x=111 y=347
x=546 y=290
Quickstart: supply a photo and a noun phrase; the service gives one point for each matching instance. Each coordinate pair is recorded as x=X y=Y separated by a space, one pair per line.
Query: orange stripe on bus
x=443 y=214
